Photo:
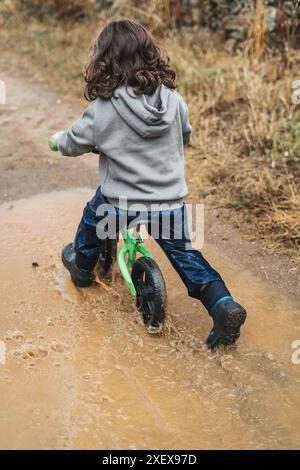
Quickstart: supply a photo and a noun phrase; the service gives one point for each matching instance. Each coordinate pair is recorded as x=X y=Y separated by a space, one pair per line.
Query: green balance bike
x=142 y=274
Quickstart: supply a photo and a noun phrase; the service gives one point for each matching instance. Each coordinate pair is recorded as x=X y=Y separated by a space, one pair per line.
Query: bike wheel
x=107 y=258
x=151 y=292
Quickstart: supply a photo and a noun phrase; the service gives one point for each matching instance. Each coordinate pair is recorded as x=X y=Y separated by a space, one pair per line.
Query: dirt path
x=80 y=370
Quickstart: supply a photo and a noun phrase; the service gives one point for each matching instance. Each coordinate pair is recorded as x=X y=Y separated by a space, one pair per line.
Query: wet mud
x=81 y=372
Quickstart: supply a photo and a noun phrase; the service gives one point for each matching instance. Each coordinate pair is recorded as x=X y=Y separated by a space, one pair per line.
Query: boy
x=139 y=125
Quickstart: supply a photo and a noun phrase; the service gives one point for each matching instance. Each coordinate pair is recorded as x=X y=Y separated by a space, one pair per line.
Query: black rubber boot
x=80 y=277
x=228 y=317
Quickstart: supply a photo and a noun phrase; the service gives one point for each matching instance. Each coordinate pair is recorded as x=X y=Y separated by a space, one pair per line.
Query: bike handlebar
x=52 y=142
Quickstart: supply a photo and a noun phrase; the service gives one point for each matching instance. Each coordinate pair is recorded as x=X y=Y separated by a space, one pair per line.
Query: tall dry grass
x=245 y=153
x=71 y=10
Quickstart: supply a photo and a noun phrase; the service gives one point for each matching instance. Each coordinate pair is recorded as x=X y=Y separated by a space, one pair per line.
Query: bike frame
x=133 y=244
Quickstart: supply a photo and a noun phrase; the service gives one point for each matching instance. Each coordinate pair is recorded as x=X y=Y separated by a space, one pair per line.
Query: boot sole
x=77 y=282
x=232 y=326
x=231 y=330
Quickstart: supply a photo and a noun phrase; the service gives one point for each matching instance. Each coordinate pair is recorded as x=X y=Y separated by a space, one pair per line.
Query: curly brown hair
x=125 y=53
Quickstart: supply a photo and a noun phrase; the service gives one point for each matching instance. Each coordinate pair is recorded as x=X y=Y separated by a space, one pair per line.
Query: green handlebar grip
x=52 y=142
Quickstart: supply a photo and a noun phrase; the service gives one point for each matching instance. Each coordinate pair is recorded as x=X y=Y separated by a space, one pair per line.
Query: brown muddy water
x=78 y=370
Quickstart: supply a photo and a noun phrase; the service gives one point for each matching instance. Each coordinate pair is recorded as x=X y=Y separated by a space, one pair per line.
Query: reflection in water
x=81 y=371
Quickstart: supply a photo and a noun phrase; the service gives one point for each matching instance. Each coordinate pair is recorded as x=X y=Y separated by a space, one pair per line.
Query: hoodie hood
x=148 y=115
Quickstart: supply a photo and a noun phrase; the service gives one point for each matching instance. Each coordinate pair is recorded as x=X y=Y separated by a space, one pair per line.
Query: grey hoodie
x=140 y=140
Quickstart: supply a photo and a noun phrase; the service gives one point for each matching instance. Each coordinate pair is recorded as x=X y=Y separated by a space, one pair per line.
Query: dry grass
x=245 y=151
x=71 y=10
x=245 y=154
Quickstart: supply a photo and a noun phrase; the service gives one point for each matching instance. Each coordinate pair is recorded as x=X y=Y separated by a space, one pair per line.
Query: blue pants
x=192 y=267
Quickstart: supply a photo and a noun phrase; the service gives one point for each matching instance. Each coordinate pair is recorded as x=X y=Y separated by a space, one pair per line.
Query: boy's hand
x=53 y=141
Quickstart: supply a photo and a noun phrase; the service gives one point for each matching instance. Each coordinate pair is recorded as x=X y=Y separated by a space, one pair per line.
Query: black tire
x=107 y=258
x=151 y=292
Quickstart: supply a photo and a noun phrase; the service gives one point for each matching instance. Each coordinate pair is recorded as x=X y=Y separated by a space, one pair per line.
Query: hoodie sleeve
x=79 y=138
x=186 y=125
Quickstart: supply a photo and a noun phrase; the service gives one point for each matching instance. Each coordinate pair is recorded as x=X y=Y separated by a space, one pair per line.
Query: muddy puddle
x=78 y=370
